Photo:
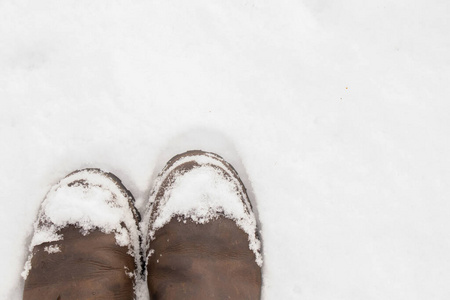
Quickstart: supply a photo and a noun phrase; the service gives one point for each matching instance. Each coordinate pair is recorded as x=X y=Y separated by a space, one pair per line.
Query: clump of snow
x=52 y=249
x=128 y=272
x=45 y=234
x=27 y=267
x=90 y=200
x=201 y=194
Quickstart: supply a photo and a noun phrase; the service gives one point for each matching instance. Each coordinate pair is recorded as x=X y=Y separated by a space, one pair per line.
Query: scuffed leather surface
x=88 y=267
x=202 y=261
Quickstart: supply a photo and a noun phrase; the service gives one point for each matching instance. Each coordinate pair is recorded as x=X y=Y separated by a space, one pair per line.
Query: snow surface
x=335 y=114
x=203 y=193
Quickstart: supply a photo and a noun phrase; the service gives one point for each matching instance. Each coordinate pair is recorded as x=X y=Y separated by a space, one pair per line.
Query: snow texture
x=334 y=113
x=51 y=249
x=203 y=193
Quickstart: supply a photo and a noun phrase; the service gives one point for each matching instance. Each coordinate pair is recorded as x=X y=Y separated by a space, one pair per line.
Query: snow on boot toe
x=86 y=240
x=202 y=240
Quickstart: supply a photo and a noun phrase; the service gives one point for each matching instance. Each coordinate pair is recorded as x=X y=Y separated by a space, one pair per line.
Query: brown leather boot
x=85 y=242
x=202 y=240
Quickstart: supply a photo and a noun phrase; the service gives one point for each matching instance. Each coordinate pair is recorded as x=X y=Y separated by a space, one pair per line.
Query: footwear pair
x=198 y=237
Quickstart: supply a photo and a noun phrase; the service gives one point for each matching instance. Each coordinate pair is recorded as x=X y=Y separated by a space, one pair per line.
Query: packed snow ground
x=335 y=112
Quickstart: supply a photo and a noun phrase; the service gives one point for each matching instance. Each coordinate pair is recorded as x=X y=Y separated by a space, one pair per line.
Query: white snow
x=52 y=249
x=201 y=194
x=128 y=272
x=335 y=113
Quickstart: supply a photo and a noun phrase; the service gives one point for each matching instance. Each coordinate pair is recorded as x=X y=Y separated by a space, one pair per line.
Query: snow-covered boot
x=85 y=243
x=202 y=240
